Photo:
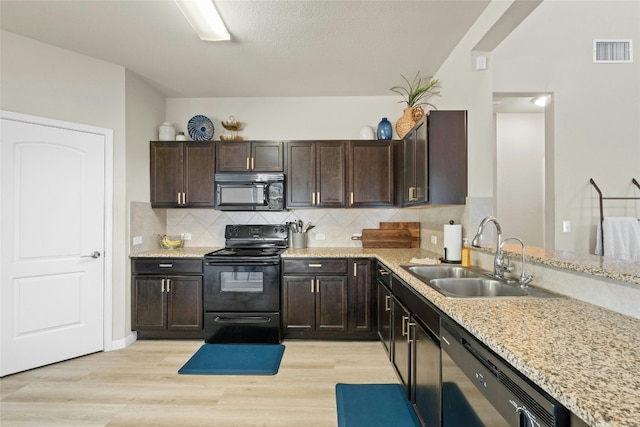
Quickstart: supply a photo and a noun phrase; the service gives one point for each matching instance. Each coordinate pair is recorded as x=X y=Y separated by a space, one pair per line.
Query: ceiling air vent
x=612 y=51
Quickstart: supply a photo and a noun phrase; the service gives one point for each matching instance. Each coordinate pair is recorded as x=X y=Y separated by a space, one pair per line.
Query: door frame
x=107 y=134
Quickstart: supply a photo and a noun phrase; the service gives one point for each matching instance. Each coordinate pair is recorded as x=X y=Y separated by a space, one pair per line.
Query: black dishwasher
x=479 y=389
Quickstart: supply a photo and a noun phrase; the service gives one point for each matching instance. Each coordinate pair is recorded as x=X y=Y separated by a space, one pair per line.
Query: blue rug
x=374 y=405
x=235 y=359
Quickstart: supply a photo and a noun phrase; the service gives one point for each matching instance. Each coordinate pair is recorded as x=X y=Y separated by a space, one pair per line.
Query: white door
x=51 y=244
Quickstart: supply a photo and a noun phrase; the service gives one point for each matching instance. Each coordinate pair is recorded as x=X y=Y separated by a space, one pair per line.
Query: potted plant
x=415 y=94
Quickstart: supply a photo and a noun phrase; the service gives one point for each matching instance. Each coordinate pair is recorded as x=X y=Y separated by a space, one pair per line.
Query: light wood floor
x=140 y=386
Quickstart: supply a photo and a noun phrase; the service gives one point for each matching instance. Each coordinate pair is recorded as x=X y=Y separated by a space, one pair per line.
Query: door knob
x=94 y=254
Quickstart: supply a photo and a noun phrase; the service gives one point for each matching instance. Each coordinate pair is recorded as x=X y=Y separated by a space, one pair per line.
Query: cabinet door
x=384 y=316
x=331 y=303
x=298 y=303
x=420 y=161
x=360 y=296
x=233 y=156
x=199 y=171
x=401 y=355
x=149 y=303
x=167 y=173
x=184 y=307
x=301 y=174
x=371 y=173
x=409 y=168
x=331 y=177
x=267 y=156
x=426 y=389
x=447 y=157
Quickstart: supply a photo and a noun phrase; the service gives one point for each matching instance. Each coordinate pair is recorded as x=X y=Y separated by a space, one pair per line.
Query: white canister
x=181 y=136
x=367 y=132
x=166 y=132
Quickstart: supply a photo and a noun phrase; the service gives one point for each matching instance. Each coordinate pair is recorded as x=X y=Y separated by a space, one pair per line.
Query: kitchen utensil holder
x=299 y=240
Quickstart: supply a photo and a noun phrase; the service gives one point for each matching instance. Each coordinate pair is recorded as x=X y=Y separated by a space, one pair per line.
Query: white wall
x=144 y=111
x=289 y=118
x=42 y=80
x=520 y=176
x=597 y=106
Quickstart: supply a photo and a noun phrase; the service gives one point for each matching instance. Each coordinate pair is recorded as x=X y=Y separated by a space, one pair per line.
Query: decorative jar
x=166 y=132
x=385 y=130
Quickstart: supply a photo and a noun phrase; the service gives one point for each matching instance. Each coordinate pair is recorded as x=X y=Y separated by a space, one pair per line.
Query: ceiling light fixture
x=204 y=18
x=540 y=101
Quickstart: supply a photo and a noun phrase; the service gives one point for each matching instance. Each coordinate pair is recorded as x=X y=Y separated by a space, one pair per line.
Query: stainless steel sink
x=459 y=282
x=477 y=288
x=441 y=271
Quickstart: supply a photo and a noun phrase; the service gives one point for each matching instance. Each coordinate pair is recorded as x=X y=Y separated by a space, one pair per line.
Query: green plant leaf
x=418 y=91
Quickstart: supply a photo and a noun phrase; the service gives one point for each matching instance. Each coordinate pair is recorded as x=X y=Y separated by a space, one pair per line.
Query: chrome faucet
x=524 y=278
x=499 y=267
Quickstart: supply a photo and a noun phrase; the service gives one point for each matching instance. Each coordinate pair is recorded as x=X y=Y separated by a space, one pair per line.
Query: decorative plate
x=200 y=128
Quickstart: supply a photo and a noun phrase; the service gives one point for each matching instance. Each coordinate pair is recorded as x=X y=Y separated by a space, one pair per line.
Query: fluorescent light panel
x=204 y=18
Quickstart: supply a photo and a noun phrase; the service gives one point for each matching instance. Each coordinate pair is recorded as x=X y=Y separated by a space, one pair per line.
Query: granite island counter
x=585 y=356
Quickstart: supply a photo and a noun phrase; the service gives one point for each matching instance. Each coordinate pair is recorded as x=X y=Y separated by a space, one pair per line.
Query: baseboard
x=125 y=342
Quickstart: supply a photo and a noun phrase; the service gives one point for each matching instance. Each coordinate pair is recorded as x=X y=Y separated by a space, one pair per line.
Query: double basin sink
x=460 y=282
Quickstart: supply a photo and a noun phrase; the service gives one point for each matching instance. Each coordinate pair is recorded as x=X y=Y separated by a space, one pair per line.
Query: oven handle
x=243 y=319
x=239 y=263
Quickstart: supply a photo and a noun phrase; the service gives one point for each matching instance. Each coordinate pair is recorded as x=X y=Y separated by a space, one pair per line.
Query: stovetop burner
x=246 y=242
x=246 y=252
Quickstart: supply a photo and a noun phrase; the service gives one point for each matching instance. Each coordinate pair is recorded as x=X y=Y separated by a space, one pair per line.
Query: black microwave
x=249 y=191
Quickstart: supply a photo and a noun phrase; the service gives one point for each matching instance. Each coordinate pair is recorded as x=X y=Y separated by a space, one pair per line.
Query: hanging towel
x=621 y=238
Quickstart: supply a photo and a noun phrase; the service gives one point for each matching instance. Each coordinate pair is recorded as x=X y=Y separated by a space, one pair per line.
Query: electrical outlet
x=137 y=240
x=186 y=236
x=566 y=226
x=320 y=236
x=434 y=240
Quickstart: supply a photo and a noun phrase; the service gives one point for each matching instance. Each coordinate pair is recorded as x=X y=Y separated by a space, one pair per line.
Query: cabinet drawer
x=166 y=266
x=383 y=274
x=315 y=266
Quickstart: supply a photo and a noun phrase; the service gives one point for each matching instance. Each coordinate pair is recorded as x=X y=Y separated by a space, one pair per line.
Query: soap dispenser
x=466 y=253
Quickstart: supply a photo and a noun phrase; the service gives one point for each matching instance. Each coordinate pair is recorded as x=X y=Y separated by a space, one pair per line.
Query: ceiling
x=278 y=48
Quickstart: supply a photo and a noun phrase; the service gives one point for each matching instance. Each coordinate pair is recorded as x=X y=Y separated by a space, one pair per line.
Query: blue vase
x=384 y=129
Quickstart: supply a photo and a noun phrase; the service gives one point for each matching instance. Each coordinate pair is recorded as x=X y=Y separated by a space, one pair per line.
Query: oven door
x=231 y=286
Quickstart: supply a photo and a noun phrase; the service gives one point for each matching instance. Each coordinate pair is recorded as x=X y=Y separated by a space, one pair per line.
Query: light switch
x=137 y=240
x=566 y=226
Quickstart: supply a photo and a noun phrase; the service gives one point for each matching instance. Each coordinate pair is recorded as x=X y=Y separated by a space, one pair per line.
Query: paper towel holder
x=445 y=258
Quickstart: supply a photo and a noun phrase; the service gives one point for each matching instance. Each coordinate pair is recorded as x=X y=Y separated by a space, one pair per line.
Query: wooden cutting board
x=413 y=227
x=376 y=238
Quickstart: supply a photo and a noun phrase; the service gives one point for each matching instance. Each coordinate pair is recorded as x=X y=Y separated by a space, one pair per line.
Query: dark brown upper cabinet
x=431 y=161
x=182 y=174
x=316 y=174
x=411 y=165
x=370 y=173
x=249 y=156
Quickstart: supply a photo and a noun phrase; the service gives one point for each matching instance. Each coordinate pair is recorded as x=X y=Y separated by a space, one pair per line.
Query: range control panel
x=256 y=232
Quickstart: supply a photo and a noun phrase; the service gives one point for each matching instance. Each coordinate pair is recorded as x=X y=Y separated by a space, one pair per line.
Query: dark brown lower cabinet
x=314 y=304
x=166 y=305
x=327 y=298
x=416 y=351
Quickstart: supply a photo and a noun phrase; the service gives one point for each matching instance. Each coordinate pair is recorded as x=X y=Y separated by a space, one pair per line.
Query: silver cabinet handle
x=315 y=265
x=168 y=285
x=164 y=265
x=94 y=254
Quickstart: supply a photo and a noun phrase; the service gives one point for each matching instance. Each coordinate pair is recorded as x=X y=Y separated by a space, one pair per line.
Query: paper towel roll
x=453 y=242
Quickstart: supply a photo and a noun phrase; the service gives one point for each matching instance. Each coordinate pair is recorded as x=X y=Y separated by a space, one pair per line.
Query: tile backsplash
x=206 y=226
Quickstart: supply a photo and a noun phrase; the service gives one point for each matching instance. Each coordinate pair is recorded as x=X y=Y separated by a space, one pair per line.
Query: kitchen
x=124 y=102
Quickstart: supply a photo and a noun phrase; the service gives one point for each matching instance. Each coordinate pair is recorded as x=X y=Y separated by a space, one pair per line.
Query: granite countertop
x=586 y=357
x=195 y=252
x=596 y=265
